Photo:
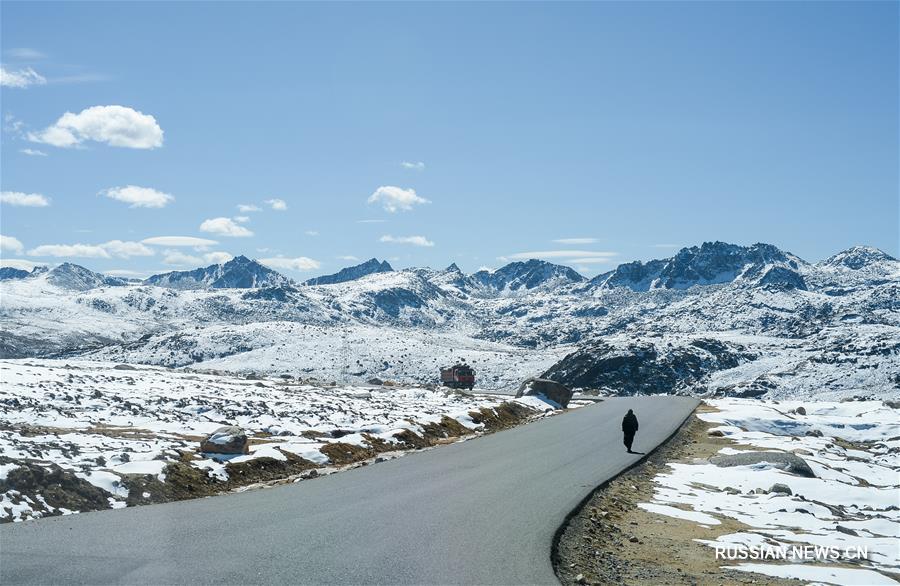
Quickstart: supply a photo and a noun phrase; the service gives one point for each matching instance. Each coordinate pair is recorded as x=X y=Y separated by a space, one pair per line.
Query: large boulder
x=226 y=440
x=547 y=389
x=785 y=461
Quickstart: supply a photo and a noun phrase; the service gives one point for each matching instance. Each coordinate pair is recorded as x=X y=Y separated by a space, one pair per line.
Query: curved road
x=483 y=511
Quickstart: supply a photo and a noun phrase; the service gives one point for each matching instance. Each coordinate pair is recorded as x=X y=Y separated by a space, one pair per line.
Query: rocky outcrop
x=785 y=461
x=644 y=368
x=228 y=439
x=545 y=389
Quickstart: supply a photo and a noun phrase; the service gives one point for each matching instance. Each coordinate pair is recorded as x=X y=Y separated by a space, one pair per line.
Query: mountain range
x=716 y=318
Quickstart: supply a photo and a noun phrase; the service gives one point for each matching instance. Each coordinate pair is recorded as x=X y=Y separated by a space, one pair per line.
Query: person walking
x=629 y=428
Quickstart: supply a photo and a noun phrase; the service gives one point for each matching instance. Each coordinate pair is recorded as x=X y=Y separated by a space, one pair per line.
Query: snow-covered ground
x=852 y=504
x=102 y=421
x=346 y=353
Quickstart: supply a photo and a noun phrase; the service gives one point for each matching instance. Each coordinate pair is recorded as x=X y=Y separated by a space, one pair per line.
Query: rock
x=814 y=433
x=716 y=433
x=892 y=404
x=846 y=530
x=788 y=462
x=123 y=367
x=228 y=439
x=579 y=579
x=547 y=389
x=633 y=539
x=800 y=410
x=781 y=488
x=375 y=381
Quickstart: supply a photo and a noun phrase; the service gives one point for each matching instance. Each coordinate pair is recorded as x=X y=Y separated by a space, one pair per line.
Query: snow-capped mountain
x=527 y=275
x=859 y=258
x=12 y=273
x=709 y=264
x=717 y=318
x=238 y=273
x=369 y=267
x=68 y=276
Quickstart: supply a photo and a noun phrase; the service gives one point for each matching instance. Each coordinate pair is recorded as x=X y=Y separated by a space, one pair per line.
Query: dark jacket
x=630 y=424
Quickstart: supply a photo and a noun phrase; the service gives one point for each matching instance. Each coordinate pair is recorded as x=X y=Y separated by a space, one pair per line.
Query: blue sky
x=587 y=134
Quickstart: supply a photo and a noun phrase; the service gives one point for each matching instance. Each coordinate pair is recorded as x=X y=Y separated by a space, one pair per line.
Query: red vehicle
x=458 y=376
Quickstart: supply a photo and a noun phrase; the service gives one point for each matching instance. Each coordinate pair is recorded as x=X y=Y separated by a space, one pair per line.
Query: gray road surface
x=478 y=512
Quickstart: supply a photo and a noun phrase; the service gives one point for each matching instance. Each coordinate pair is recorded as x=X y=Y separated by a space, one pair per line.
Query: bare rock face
x=548 y=389
x=226 y=440
x=788 y=462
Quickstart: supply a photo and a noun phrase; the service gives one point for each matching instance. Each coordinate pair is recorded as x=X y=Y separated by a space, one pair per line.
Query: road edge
x=557 y=535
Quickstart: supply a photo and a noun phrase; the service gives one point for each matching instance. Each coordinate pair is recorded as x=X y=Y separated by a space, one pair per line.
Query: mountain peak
x=857 y=257
x=78 y=278
x=527 y=275
x=708 y=264
x=240 y=272
x=371 y=266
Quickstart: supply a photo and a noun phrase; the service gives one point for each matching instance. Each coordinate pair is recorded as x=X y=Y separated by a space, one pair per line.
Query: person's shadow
x=638 y=453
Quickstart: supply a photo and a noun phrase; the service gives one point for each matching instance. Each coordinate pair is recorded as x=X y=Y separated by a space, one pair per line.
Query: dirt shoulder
x=612 y=541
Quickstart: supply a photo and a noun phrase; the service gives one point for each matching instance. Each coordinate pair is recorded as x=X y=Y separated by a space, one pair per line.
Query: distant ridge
x=370 y=267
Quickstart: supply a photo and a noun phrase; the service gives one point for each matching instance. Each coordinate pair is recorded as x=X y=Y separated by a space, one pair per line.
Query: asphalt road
x=478 y=512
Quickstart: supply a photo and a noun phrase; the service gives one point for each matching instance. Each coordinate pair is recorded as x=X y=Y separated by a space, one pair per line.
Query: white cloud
x=26 y=53
x=217 y=258
x=67 y=250
x=595 y=260
x=30 y=200
x=575 y=241
x=395 y=199
x=301 y=263
x=277 y=204
x=179 y=241
x=414 y=240
x=117 y=126
x=242 y=219
x=10 y=244
x=178 y=258
x=579 y=254
x=349 y=257
x=418 y=165
x=33 y=152
x=122 y=249
x=224 y=227
x=312 y=232
x=139 y=197
x=245 y=208
x=21 y=78
x=18 y=263
x=111 y=249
